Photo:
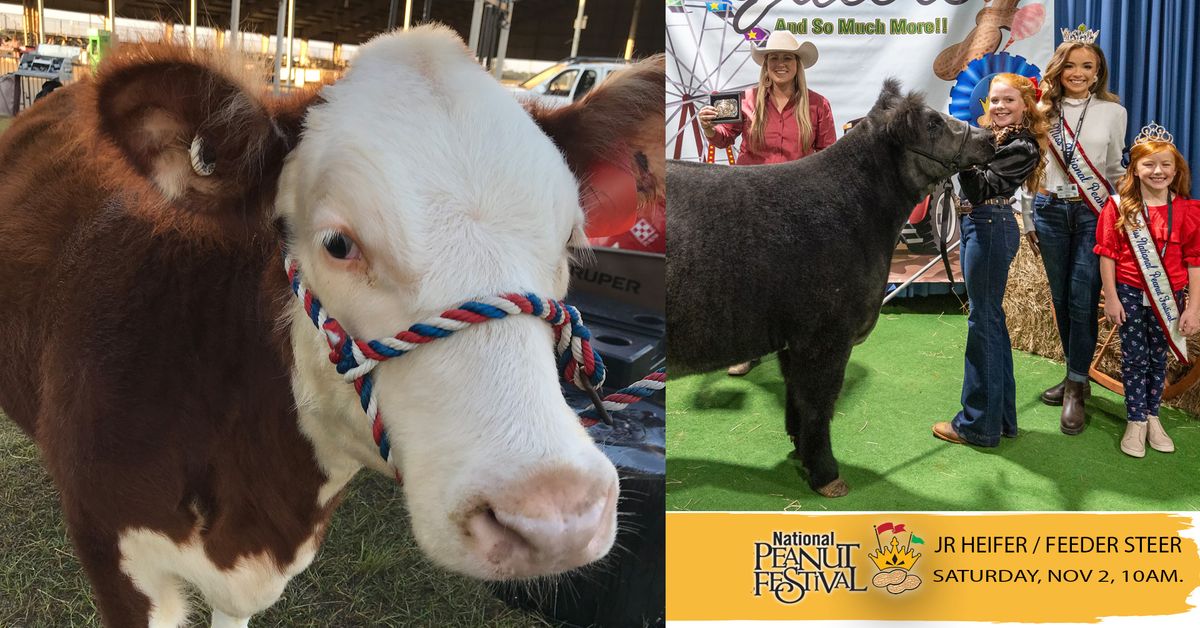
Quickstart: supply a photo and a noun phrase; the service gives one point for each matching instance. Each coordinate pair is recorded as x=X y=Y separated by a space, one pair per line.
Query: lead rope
x=942 y=220
x=578 y=362
x=627 y=396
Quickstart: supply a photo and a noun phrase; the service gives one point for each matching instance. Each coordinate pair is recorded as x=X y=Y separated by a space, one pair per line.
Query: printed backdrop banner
x=944 y=48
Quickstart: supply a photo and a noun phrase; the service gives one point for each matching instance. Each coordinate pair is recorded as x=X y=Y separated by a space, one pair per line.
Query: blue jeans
x=990 y=238
x=1066 y=235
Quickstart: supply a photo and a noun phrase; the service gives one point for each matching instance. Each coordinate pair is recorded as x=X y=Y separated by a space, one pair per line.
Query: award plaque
x=728 y=106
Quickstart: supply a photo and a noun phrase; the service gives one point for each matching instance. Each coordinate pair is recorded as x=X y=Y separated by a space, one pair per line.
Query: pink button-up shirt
x=781 y=135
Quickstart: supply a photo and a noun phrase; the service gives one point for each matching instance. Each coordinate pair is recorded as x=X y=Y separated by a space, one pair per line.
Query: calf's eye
x=339 y=246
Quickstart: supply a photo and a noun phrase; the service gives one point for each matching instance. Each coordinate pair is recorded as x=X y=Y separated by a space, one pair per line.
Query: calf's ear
x=200 y=132
x=900 y=115
x=619 y=124
x=889 y=98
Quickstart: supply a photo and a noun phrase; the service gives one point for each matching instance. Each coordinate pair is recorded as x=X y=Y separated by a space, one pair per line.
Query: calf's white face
x=417 y=185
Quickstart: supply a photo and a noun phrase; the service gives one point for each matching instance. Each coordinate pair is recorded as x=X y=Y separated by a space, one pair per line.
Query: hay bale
x=1031 y=325
x=1028 y=309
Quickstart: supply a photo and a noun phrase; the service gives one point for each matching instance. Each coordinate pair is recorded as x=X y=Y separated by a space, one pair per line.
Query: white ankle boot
x=1157 y=436
x=1134 y=440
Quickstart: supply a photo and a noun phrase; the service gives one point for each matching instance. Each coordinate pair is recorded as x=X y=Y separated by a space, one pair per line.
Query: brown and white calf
x=183 y=402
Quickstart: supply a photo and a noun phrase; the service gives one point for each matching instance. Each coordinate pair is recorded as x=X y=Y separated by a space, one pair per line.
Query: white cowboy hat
x=783 y=41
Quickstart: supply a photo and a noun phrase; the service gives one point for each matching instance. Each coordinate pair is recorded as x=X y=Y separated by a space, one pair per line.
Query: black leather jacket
x=1014 y=160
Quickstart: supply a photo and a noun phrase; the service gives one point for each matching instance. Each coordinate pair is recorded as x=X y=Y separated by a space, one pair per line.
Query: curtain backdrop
x=1152 y=48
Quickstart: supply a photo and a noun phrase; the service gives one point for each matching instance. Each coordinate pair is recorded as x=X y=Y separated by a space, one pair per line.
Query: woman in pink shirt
x=782 y=120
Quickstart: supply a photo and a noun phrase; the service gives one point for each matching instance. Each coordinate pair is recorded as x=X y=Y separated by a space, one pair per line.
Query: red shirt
x=781 y=135
x=1183 y=249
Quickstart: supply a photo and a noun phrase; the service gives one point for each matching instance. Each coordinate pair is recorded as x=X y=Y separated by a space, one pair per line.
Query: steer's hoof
x=836 y=488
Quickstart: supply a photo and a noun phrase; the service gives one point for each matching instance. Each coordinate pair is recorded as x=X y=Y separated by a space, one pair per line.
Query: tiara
x=1083 y=35
x=1153 y=132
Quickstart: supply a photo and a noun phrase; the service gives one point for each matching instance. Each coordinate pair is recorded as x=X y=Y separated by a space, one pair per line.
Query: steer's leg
x=121 y=604
x=814 y=379
x=221 y=620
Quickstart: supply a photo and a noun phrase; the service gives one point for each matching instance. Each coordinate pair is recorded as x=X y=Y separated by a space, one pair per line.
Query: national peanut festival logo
x=794 y=564
x=895 y=560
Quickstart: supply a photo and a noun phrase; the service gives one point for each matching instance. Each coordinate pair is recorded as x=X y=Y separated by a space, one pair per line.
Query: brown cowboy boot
x=1073 y=412
x=738 y=370
x=1053 y=396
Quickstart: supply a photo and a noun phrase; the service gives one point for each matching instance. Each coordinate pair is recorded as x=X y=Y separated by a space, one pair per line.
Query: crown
x=1153 y=132
x=1083 y=35
x=894 y=556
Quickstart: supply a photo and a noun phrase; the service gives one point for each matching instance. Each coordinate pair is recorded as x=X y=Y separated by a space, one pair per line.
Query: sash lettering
x=1093 y=187
x=1158 y=286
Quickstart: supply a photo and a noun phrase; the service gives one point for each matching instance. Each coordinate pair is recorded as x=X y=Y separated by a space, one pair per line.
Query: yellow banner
x=1053 y=567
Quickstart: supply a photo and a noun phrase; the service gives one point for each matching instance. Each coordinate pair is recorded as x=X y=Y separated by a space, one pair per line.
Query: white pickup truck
x=568 y=80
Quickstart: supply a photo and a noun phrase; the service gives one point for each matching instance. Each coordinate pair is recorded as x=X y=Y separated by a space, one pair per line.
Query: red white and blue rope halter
x=578 y=362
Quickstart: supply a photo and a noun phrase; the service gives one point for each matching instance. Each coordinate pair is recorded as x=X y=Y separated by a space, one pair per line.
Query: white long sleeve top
x=1102 y=138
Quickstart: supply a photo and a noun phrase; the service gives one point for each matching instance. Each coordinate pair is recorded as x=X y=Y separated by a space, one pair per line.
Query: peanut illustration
x=992 y=25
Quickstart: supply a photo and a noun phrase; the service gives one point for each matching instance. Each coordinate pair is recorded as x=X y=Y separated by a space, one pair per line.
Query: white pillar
x=192 y=25
x=291 y=38
x=502 y=47
x=407 y=13
x=579 y=17
x=235 y=16
x=637 y=6
x=476 y=21
x=279 y=26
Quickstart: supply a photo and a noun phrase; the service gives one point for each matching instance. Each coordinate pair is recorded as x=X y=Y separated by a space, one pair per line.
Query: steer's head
x=419 y=183
x=412 y=185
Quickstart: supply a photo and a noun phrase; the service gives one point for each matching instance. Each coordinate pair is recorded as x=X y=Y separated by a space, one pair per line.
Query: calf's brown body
x=143 y=345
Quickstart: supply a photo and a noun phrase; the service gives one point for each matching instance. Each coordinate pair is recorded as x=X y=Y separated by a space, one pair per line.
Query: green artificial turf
x=369 y=571
x=727 y=448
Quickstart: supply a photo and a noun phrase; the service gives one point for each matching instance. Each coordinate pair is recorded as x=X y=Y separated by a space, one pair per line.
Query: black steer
x=794 y=257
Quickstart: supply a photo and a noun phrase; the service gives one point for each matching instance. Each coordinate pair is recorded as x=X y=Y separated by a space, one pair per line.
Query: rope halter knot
x=355 y=359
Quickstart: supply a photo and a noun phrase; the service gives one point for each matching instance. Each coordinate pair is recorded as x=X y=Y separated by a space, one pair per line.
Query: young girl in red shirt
x=1144 y=272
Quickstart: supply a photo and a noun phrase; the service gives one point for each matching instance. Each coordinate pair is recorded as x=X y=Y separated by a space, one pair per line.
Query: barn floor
x=368 y=573
x=727 y=448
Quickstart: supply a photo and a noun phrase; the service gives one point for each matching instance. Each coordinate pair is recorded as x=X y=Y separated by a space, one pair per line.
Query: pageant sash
x=1158 y=284
x=1092 y=185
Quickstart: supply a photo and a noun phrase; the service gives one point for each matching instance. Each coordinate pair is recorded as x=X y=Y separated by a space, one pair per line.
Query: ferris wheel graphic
x=706 y=53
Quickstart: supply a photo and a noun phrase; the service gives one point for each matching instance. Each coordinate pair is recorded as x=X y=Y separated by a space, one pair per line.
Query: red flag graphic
x=883 y=527
x=898 y=529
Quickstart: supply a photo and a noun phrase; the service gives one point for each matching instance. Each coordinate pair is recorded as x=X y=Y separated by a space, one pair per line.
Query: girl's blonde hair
x=1129 y=186
x=757 y=132
x=1052 y=93
x=1035 y=121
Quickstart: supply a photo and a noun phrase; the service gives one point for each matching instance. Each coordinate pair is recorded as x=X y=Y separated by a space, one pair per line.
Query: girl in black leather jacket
x=990 y=238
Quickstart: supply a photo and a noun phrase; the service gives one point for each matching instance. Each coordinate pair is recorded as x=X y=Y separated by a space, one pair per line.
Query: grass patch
x=369 y=571
x=728 y=449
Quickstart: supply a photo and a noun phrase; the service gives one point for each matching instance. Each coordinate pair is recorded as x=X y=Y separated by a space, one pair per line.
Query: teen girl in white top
x=1087 y=135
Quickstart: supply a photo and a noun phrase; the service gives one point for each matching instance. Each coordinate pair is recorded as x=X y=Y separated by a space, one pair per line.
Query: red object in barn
x=611 y=205
x=919 y=211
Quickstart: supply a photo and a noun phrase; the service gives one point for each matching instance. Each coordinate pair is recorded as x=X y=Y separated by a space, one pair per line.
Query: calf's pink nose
x=554 y=521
